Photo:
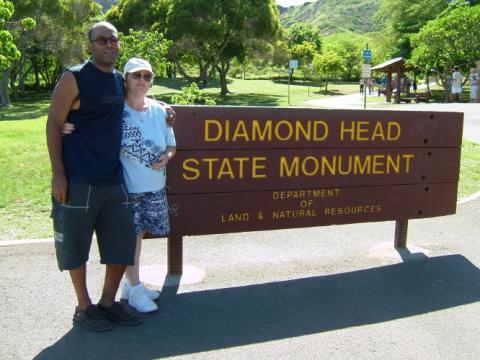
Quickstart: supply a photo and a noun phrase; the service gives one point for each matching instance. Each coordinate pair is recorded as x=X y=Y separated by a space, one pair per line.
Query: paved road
x=336 y=292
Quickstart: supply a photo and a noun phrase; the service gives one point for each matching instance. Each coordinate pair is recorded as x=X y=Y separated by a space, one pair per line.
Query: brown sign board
x=247 y=169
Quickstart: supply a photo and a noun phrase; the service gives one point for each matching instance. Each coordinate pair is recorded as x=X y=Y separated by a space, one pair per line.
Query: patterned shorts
x=150 y=213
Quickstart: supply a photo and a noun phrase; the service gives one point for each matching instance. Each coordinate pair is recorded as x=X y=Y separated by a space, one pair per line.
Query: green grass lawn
x=25 y=167
x=258 y=92
x=25 y=171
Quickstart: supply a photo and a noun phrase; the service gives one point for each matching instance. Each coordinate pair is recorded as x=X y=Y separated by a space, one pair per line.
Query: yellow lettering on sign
x=292 y=170
x=213 y=130
x=288 y=130
x=293 y=214
x=255 y=130
x=240 y=132
x=195 y=173
x=407 y=158
x=353 y=210
x=262 y=134
x=320 y=130
x=369 y=164
x=369 y=131
x=257 y=166
x=210 y=162
x=305 y=194
x=224 y=168
x=235 y=217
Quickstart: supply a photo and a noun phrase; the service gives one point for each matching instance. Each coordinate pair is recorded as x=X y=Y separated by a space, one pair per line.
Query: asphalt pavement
x=334 y=292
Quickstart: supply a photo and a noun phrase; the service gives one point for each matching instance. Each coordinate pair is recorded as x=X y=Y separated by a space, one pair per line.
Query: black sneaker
x=92 y=319
x=120 y=314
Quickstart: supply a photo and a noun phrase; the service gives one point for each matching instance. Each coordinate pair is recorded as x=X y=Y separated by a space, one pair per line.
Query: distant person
x=370 y=82
x=414 y=84
x=473 y=78
x=407 y=85
x=362 y=85
x=456 y=84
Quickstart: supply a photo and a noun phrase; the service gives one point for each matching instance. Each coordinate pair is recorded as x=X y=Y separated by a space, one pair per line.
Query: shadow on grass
x=438 y=95
x=179 y=83
x=232 y=99
x=29 y=107
x=250 y=99
x=329 y=92
x=200 y=321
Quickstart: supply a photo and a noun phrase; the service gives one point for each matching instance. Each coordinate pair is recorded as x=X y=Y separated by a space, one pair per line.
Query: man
x=87 y=185
x=456 y=84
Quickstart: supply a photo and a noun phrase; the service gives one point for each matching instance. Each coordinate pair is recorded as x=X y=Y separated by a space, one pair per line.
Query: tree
x=304 y=53
x=304 y=42
x=400 y=19
x=449 y=40
x=149 y=45
x=131 y=14
x=213 y=32
x=328 y=65
x=9 y=51
x=348 y=47
x=58 y=39
x=299 y=33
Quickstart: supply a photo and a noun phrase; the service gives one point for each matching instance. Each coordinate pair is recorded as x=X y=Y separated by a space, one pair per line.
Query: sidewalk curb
x=51 y=240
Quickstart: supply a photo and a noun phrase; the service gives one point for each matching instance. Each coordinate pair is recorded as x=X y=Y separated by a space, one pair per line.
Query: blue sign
x=367 y=54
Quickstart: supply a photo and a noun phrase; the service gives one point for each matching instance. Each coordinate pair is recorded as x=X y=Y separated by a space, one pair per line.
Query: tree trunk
x=5 y=99
x=182 y=71
x=223 y=70
x=35 y=72
x=446 y=87
x=203 y=77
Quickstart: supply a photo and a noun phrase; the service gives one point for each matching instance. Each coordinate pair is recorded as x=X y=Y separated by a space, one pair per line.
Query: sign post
x=310 y=67
x=367 y=72
x=292 y=64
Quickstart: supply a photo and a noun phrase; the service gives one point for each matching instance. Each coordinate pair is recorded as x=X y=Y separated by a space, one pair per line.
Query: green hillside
x=333 y=15
x=107 y=4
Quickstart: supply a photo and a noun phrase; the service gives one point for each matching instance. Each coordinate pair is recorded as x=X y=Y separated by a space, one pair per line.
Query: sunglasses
x=102 y=40
x=138 y=76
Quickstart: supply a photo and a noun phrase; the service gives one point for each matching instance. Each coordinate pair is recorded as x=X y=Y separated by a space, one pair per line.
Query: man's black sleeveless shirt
x=91 y=154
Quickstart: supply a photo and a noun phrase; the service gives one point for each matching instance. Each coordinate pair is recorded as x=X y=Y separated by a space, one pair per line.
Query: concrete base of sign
x=157 y=275
x=385 y=251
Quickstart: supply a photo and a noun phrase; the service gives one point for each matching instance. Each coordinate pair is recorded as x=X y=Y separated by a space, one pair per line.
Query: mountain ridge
x=332 y=16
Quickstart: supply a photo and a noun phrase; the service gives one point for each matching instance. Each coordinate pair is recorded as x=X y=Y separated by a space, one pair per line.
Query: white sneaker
x=139 y=300
x=152 y=294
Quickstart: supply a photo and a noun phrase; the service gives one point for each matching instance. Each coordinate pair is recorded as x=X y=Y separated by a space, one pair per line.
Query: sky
x=287 y=3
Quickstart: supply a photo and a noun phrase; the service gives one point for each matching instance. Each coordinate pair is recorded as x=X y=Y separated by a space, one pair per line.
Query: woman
x=148 y=144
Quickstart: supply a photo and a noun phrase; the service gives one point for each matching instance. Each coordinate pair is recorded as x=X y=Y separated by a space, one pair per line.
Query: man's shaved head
x=100 y=24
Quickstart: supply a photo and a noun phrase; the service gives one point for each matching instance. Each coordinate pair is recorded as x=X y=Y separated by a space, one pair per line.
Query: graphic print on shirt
x=136 y=148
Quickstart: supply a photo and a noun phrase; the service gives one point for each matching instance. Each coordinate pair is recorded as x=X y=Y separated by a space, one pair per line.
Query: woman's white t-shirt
x=145 y=136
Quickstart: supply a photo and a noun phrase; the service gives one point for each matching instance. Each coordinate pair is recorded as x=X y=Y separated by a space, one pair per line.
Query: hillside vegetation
x=107 y=4
x=332 y=16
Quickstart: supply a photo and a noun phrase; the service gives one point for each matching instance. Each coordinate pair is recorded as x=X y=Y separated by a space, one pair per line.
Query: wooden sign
x=247 y=169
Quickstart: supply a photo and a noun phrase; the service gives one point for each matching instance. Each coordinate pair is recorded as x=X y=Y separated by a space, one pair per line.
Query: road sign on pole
x=293 y=64
x=367 y=54
x=366 y=71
